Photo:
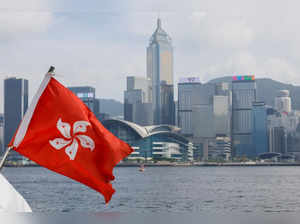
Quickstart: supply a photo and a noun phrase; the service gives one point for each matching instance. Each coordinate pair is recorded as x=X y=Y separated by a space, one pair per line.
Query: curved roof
x=162 y=127
x=141 y=131
x=147 y=131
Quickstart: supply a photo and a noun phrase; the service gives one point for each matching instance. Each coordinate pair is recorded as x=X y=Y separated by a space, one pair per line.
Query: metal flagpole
x=51 y=70
x=5 y=157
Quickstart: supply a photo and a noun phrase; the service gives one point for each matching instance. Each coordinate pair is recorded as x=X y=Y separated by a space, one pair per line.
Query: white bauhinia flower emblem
x=71 y=141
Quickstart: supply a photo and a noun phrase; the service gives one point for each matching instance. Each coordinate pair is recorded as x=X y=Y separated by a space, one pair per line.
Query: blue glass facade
x=259 y=131
x=243 y=95
x=246 y=150
x=15 y=106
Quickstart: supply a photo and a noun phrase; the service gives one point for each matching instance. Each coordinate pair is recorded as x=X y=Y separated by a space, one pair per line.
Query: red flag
x=60 y=133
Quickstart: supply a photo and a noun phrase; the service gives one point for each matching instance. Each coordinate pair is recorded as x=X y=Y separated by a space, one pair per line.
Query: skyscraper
x=259 y=128
x=160 y=75
x=87 y=95
x=243 y=96
x=195 y=107
x=188 y=95
x=277 y=140
x=167 y=113
x=15 y=106
x=137 y=108
x=283 y=101
x=221 y=110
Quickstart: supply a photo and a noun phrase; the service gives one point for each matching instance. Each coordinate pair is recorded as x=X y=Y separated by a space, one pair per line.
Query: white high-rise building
x=283 y=101
x=160 y=75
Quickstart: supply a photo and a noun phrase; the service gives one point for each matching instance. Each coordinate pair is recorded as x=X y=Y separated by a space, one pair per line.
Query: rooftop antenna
x=158 y=20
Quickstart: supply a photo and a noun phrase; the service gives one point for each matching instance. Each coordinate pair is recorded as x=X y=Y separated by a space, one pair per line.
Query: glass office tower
x=160 y=75
x=188 y=95
x=243 y=96
x=15 y=106
x=137 y=108
x=87 y=95
x=260 y=131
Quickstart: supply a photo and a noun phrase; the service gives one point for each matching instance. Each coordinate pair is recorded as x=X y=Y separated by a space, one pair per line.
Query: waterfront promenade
x=178 y=164
x=213 y=164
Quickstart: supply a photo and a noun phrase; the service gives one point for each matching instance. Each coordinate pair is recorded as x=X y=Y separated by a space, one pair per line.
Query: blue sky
x=99 y=43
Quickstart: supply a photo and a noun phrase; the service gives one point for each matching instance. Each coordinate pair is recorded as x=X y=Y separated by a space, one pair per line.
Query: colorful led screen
x=243 y=78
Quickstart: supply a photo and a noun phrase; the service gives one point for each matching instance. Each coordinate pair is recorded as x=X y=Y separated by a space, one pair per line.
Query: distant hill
x=111 y=107
x=267 y=90
x=221 y=79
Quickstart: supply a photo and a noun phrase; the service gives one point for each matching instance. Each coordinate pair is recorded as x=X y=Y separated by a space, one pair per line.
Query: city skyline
x=177 y=106
x=209 y=41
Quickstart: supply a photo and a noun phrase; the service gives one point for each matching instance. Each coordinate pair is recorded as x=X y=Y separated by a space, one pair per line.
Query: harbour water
x=166 y=189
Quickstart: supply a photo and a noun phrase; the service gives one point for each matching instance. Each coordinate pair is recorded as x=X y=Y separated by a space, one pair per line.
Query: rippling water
x=166 y=189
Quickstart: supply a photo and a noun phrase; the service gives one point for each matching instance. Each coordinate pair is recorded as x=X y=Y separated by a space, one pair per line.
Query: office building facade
x=167 y=111
x=188 y=89
x=137 y=107
x=160 y=75
x=88 y=95
x=259 y=128
x=277 y=140
x=222 y=115
x=204 y=112
x=141 y=83
x=195 y=106
x=15 y=106
x=243 y=96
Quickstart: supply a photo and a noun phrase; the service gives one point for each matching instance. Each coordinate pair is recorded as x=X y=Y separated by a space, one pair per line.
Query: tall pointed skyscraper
x=160 y=76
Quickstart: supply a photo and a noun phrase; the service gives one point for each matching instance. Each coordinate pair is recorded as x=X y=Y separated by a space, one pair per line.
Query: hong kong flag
x=60 y=133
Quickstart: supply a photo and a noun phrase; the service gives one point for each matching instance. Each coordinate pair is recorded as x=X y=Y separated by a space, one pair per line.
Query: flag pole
x=51 y=70
x=5 y=157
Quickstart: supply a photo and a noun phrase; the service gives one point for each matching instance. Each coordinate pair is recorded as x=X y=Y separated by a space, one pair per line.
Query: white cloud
x=281 y=70
x=15 y=25
x=23 y=18
x=101 y=42
x=241 y=63
x=234 y=34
